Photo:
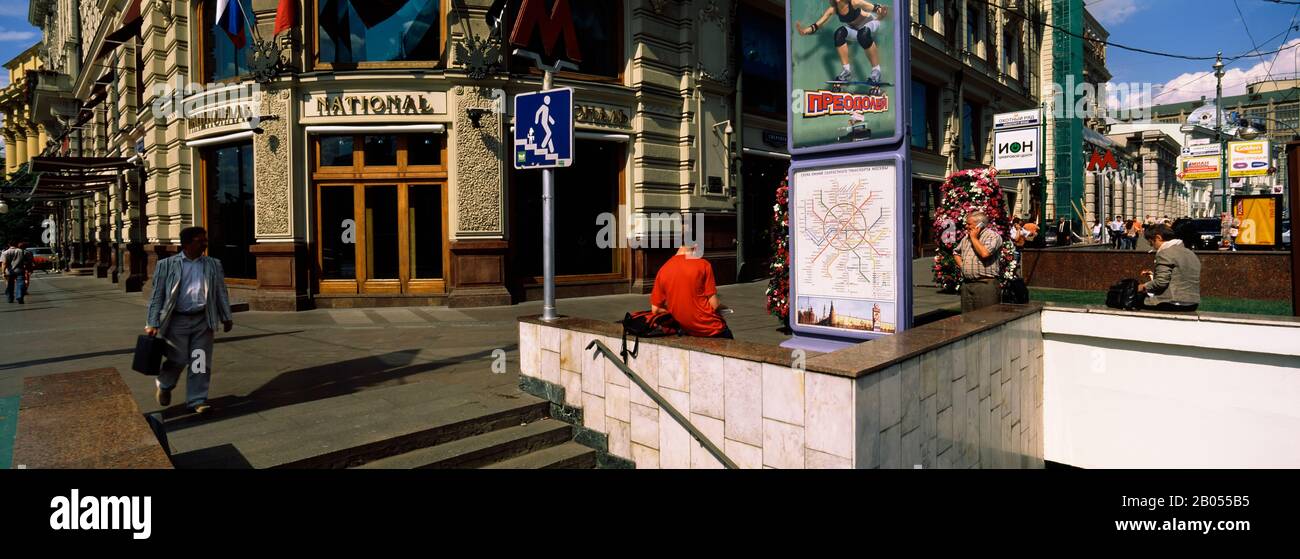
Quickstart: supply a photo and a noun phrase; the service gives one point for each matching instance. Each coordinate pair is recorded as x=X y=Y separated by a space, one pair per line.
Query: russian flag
x=286 y=16
x=230 y=18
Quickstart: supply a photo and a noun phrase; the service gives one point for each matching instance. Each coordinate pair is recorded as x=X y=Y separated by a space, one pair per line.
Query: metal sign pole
x=548 y=228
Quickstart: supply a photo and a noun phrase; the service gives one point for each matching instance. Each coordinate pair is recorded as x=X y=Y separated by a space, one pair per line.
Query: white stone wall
x=1125 y=390
x=973 y=404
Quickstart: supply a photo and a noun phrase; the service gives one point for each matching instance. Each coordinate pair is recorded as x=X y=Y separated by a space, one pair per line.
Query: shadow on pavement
x=316 y=383
x=225 y=456
x=126 y=351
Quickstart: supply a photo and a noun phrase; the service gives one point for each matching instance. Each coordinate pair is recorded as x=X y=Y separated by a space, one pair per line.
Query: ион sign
x=533 y=18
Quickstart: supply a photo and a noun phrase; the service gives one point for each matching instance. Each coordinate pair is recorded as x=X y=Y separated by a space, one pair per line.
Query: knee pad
x=841 y=36
x=865 y=39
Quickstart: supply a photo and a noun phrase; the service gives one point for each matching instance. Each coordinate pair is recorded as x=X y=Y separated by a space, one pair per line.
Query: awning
x=77 y=164
x=129 y=28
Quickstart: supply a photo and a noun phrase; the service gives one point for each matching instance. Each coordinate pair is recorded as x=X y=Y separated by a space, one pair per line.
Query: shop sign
x=1199 y=168
x=602 y=116
x=405 y=103
x=1018 y=119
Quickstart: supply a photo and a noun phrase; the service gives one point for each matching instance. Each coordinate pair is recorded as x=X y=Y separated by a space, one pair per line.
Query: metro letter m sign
x=532 y=14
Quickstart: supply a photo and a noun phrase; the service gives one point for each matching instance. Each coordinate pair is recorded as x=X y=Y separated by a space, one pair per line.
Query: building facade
x=361 y=157
x=23 y=138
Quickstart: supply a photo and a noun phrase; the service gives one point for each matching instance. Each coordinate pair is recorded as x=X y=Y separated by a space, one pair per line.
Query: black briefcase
x=148 y=354
x=1124 y=295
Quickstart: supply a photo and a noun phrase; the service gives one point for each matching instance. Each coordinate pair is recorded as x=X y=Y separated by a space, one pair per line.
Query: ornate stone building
x=23 y=138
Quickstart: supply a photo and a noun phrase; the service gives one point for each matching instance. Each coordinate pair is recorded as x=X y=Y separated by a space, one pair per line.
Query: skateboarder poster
x=845 y=67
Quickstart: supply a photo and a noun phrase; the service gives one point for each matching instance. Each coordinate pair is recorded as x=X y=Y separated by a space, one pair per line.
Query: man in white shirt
x=189 y=300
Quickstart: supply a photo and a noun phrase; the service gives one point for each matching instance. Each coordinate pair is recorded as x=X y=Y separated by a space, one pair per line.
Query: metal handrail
x=663 y=403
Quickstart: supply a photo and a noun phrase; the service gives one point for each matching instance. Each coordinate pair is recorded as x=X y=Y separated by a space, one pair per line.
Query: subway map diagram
x=844 y=249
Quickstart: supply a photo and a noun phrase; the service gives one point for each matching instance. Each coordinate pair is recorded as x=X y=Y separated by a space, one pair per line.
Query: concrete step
x=481 y=450
x=345 y=446
x=569 y=455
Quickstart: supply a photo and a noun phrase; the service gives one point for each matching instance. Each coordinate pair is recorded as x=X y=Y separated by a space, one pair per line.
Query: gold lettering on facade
x=593 y=114
x=361 y=105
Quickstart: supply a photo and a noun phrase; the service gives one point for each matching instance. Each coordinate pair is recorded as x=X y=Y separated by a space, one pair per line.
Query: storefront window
x=381 y=232
x=424 y=149
x=583 y=192
x=425 y=223
x=764 y=61
x=381 y=151
x=359 y=31
x=338 y=233
x=335 y=151
x=228 y=182
x=222 y=60
x=599 y=27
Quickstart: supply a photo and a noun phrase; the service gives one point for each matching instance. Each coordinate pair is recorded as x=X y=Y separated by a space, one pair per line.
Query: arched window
x=222 y=58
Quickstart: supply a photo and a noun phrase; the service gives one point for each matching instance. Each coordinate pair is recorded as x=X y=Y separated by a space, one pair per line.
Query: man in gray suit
x=1175 y=285
x=189 y=299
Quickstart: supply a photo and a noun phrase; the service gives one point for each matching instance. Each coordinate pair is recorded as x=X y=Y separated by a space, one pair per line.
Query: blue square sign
x=544 y=129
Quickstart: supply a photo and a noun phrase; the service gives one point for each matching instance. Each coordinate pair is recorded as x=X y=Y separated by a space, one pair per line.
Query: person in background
x=1137 y=232
x=977 y=257
x=1175 y=284
x=1030 y=231
x=1098 y=232
x=684 y=287
x=11 y=263
x=28 y=266
x=1019 y=236
x=1130 y=234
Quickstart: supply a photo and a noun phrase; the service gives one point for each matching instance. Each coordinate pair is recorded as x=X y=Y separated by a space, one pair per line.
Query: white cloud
x=7 y=35
x=1113 y=12
x=1192 y=86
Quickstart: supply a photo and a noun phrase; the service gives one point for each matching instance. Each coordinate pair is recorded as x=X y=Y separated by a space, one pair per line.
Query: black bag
x=1124 y=295
x=148 y=354
x=1015 y=292
x=646 y=324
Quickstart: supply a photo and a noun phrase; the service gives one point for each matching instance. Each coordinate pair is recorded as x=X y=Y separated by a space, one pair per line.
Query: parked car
x=1286 y=233
x=43 y=258
x=1199 y=234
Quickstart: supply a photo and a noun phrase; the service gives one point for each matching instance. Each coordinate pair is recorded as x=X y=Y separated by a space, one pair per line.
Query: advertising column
x=849 y=74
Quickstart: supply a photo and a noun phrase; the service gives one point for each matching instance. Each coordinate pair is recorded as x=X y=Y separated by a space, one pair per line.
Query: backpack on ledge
x=646 y=324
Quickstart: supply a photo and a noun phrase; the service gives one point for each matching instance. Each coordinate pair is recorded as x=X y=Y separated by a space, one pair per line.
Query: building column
x=19 y=147
x=478 y=247
x=10 y=166
x=33 y=143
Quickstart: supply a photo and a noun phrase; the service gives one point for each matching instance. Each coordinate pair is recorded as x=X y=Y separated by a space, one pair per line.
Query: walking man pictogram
x=544 y=118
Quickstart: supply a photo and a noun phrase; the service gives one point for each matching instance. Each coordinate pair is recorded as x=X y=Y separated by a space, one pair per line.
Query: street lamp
x=1218 y=128
x=4 y=208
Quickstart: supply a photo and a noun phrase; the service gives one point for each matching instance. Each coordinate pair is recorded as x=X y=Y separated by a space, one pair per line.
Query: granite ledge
x=874 y=356
x=860 y=360
x=734 y=349
x=1228 y=318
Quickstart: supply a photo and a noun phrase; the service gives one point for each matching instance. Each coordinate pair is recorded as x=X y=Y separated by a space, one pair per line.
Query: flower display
x=778 y=287
x=962 y=193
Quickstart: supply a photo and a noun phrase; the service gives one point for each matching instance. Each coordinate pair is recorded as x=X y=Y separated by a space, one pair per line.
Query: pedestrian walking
x=12 y=264
x=189 y=300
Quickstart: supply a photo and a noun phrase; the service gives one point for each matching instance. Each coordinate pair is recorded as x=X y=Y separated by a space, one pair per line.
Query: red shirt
x=683 y=286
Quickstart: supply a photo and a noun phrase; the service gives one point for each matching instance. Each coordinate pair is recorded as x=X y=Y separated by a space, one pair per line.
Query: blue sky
x=1196 y=28
x=15 y=33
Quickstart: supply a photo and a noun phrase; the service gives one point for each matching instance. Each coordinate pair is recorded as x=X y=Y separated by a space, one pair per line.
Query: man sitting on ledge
x=1176 y=283
x=684 y=287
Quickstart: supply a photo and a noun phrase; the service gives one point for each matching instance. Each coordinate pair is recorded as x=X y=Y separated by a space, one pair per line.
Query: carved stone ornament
x=481 y=57
x=658 y=6
x=714 y=14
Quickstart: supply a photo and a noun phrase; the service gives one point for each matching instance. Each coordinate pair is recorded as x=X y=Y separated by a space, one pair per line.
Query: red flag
x=286 y=16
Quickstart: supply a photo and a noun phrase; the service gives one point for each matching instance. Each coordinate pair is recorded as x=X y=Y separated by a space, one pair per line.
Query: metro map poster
x=844 y=248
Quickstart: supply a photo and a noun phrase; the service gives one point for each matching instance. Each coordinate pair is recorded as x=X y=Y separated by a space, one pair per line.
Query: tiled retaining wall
x=965 y=392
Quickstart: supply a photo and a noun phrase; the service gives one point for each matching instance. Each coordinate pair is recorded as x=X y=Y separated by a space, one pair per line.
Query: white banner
x=1016 y=152
x=1018 y=119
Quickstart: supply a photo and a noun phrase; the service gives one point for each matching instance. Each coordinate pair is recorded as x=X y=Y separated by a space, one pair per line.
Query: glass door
x=382 y=238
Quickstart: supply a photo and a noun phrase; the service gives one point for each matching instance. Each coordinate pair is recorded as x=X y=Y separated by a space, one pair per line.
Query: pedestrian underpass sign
x=544 y=129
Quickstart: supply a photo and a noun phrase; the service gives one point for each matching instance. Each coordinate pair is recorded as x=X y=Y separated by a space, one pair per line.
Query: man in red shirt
x=684 y=287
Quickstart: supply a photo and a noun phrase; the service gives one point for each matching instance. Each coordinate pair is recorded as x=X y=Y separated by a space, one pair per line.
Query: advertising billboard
x=849 y=247
x=1248 y=159
x=847 y=77
x=1199 y=168
x=1258 y=220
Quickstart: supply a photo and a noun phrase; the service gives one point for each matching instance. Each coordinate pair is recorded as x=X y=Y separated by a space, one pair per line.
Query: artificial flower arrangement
x=962 y=193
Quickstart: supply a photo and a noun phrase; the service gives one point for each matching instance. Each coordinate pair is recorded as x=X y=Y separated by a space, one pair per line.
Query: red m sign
x=532 y=15
x=1100 y=162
